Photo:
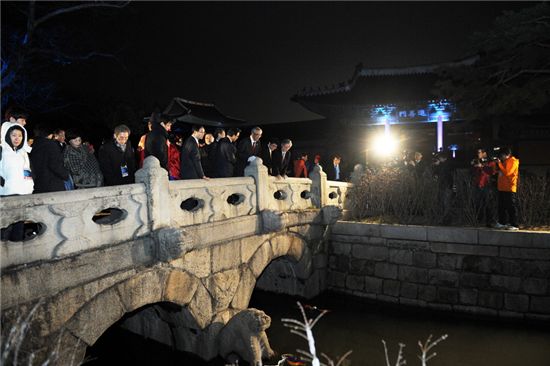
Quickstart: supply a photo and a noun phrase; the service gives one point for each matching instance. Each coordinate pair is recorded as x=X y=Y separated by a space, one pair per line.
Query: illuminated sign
x=427 y=113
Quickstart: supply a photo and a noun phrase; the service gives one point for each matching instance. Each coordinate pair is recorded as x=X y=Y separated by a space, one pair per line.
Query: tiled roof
x=374 y=78
x=191 y=111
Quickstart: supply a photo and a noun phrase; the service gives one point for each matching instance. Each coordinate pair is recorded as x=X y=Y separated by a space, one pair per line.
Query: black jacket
x=155 y=144
x=225 y=158
x=212 y=151
x=190 y=160
x=112 y=158
x=267 y=159
x=331 y=172
x=244 y=151
x=282 y=166
x=48 y=171
x=208 y=153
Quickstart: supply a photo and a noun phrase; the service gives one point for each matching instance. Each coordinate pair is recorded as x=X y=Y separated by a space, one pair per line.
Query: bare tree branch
x=526 y=71
x=82 y=57
x=76 y=8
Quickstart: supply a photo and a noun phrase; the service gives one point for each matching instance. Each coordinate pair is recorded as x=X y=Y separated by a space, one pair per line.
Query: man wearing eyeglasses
x=247 y=148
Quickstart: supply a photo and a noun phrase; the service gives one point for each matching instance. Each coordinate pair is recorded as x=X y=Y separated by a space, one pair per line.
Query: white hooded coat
x=5 y=127
x=13 y=165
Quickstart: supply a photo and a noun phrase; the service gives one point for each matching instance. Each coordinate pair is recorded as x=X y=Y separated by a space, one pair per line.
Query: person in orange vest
x=507 y=186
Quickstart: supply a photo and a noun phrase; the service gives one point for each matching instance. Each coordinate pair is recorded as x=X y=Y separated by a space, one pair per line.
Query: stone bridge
x=175 y=260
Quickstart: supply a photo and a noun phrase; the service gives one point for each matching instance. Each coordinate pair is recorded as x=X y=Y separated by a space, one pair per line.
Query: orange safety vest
x=508 y=175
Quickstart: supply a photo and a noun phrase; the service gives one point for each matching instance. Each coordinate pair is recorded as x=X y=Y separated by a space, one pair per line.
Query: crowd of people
x=62 y=160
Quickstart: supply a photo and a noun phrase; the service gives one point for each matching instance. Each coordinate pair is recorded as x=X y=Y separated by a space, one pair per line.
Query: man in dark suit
x=226 y=154
x=219 y=134
x=248 y=147
x=190 y=158
x=267 y=155
x=116 y=158
x=282 y=159
x=46 y=161
x=334 y=171
x=156 y=140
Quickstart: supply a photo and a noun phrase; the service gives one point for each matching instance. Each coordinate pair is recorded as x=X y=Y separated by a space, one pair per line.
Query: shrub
x=398 y=196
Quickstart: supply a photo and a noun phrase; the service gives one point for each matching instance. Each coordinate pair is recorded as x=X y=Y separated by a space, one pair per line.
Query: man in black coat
x=219 y=134
x=156 y=140
x=267 y=156
x=282 y=159
x=46 y=159
x=226 y=154
x=190 y=157
x=116 y=158
x=248 y=147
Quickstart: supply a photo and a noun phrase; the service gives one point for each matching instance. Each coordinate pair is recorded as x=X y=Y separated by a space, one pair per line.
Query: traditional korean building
x=200 y=113
x=403 y=99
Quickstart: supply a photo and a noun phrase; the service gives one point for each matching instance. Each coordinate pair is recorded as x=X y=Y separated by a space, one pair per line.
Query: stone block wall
x=468 y=270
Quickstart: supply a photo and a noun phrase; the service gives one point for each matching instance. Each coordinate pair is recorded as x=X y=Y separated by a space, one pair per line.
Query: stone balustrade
x=337 y=193
x=81 y=220
x=66 y=221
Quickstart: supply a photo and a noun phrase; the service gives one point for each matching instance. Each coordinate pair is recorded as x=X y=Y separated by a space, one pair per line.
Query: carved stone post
x=155 y=179
x=319 y=187
x=258 y=171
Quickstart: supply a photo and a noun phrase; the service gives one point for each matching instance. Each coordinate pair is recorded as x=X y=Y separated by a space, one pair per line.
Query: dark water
x=353 y=324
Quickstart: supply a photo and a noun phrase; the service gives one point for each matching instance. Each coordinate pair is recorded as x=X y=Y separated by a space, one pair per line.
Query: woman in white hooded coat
x=15 y=168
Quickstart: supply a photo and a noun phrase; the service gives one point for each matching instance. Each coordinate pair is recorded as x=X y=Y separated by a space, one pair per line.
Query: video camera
x=493 y=154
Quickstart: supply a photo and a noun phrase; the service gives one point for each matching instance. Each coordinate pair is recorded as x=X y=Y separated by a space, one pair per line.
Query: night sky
x=250 y=58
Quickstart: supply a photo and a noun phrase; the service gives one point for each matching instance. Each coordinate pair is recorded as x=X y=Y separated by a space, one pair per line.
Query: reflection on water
x=352 y=324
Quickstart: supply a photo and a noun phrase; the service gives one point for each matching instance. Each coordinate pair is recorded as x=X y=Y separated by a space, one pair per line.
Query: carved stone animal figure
x=244 y=334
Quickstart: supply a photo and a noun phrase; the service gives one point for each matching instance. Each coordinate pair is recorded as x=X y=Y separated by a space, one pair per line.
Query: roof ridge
x=419 y=69
x=204 y=104
x=361 y=71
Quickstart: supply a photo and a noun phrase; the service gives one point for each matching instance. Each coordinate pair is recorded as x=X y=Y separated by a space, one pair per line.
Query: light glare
x=384 y=145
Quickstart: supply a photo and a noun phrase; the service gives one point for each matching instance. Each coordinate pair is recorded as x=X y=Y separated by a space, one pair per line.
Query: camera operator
x=483 y=171
x=507 y=187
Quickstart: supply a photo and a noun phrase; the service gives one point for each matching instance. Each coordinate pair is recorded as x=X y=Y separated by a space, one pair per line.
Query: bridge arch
x=288 y=267
x=149 y=287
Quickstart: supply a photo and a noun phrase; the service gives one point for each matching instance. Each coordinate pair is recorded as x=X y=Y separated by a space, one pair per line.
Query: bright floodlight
x=384 y=145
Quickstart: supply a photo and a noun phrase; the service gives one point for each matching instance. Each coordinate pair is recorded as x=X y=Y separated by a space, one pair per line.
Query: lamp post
x=439 y=133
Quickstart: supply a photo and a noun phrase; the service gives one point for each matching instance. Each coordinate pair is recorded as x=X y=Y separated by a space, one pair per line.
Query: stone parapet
x=468 y=270
x=75 y=221
x=67 y=222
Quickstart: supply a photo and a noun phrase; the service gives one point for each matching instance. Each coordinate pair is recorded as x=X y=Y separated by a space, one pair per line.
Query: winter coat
x=225 y=158
x=174 y=161
x=15 y=166
x=300 y=169
x=483 y=174
x=156 y=145
x=115 y=163
x=212 y=158
x=3 y=130
x=83 y=167
x=47 y=166
x=245 y=150
x=282 y=166
x=508 y=175
x=190 y=158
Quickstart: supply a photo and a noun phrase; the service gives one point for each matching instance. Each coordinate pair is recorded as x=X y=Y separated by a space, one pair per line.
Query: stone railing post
x=155 y=179
x=258 y=171
x=319 y=187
